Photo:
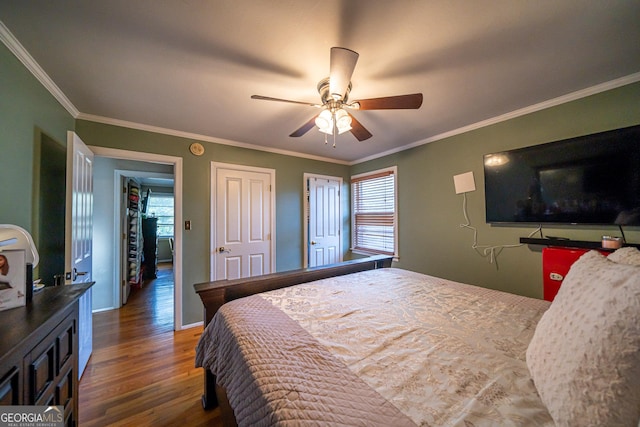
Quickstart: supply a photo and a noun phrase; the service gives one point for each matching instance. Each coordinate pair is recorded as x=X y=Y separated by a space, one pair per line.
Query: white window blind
x=374 y=212
x=161 y=206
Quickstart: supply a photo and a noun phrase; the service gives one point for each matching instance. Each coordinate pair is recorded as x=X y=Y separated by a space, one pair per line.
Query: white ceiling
x=190 y=66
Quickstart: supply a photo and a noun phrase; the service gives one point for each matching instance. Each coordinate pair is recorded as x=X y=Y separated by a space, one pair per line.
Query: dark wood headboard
x=215 y=294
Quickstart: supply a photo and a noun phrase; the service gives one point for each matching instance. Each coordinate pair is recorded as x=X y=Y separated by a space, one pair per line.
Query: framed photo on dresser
x=13 y=278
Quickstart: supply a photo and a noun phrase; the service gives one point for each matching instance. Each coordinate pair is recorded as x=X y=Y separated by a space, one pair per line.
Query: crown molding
x=27 y=60
x=30 y=63
x=202 y=138
x=573 y=96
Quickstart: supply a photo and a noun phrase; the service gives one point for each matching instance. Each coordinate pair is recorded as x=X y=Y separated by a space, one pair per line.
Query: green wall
x=27 y=110
x=430 y=238
x=196 y=196
x=430 y=213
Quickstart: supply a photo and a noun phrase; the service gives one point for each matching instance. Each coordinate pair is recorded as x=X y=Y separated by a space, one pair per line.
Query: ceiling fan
x=334 y=94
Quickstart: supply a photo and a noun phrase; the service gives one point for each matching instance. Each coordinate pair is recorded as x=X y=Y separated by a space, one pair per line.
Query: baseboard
x=191 y=325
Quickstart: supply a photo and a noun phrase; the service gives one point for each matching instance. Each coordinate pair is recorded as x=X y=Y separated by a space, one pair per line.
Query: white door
x=79 y=236
x=242 y=221
x=324 y=221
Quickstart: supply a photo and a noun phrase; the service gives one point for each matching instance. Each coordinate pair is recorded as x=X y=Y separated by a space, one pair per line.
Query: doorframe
x=214 y=196
x=176 y=162
x=307 y=212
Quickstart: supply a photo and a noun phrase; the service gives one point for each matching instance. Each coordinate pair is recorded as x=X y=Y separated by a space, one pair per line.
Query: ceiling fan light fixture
x=343 y=121
x=324 y=121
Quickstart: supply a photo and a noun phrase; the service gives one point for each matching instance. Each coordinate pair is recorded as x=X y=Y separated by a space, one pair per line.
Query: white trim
x=177 y=192
x=191 y=325
x=394 y=169
x=118 y=244
x=27 y=60
x=212 y=204
x=305 y=209
x=203 y=138
x=573 y=96
x=99 y=310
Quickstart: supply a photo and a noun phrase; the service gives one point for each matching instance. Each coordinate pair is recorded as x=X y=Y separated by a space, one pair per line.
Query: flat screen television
x=592 y=179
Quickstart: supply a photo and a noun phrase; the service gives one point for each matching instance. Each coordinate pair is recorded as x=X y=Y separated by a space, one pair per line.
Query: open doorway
x=48 y=227
x=146 y=220
x=147 y=215
x=108 y=231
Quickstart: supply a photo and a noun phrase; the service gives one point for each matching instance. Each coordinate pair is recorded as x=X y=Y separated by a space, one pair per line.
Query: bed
x=362 y=343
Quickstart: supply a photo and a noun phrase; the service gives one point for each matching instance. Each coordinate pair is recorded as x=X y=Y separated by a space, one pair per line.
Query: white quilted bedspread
x=382 y=347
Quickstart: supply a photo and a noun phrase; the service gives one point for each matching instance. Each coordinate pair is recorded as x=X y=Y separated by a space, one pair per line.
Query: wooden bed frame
x=215 y=294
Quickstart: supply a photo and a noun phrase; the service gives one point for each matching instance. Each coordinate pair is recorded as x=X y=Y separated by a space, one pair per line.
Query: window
x=374 y=212
x=161 y=207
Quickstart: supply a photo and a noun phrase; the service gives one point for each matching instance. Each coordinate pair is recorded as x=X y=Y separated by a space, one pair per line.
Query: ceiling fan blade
x=268 y=98
x=359 y=131
x=304 y=128
x=343 y=62
x=399 y=102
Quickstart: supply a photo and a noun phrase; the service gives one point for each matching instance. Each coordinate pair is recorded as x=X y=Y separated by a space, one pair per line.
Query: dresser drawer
x=64 y=389
x=48 y=364
x=41 y=373
x=64 y=348
x=10 y=387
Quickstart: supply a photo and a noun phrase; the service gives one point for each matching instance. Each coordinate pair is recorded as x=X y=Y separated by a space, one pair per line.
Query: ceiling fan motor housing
x=325 y=92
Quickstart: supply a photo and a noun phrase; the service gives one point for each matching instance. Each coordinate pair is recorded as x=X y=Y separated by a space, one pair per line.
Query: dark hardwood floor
x=141 y=372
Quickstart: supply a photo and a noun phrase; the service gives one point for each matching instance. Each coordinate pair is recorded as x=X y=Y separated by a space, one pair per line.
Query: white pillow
x=627 y=255
x=584 y=357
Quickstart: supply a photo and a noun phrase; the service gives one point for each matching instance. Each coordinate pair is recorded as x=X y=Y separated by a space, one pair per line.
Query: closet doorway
x=147 y=224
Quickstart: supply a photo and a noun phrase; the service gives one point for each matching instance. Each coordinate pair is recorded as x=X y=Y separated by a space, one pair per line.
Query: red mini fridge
x=556 y=263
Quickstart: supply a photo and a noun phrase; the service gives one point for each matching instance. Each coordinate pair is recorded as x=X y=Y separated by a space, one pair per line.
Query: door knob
x=73 y=275
x=313 y=242
x=222 y=250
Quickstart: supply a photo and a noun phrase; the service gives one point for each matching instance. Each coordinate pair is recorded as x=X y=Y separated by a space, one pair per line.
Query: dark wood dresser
x=39 y=351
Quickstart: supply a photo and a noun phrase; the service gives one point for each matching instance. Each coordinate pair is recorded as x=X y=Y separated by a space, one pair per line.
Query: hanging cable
x=485 y=251
x=624 y=240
